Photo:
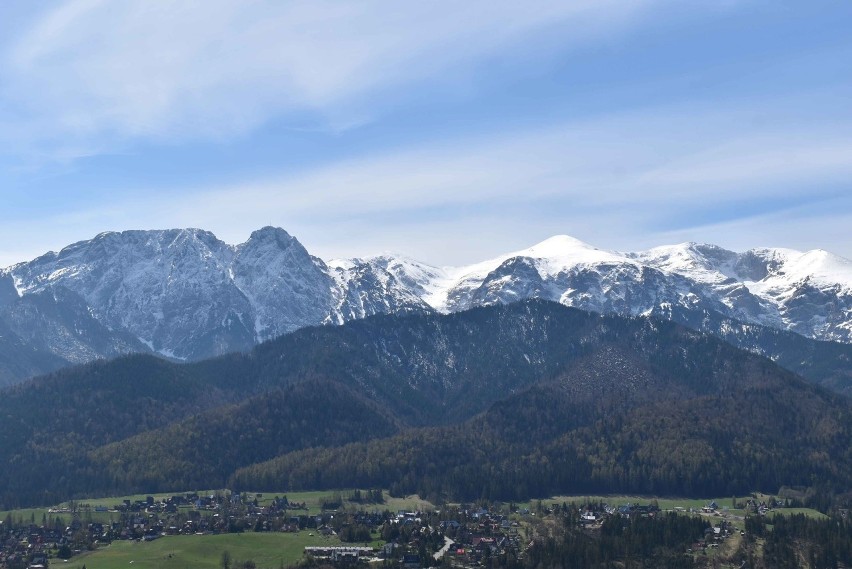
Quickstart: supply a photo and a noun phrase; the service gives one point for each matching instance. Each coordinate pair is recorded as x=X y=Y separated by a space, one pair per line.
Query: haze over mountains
x=187 y=295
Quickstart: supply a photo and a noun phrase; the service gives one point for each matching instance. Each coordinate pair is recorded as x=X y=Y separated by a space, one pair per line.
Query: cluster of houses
x=459 y=535
x=758 y=507
x=714 y=536
x=29 y=546
x=71 y=530
x=480 y=533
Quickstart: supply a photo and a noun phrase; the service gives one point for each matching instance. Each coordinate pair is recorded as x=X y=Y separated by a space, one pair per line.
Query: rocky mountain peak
x=271 y=235
x=186 y=294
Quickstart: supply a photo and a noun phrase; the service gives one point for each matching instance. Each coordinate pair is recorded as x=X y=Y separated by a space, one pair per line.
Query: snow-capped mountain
x=187 y=295
x=808 y=293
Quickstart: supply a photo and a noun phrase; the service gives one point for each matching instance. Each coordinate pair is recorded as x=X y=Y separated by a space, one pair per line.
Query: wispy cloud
x=93 y=72
x=791 y=228
x=621 y=181
x=92 y=77
x=658 y=159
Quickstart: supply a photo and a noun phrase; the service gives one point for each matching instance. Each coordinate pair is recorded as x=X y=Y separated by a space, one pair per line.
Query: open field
x=24 y=515
x=807 y=511
x=267 y=550
x=733 y=515
x=313 y=501
x=614 y=500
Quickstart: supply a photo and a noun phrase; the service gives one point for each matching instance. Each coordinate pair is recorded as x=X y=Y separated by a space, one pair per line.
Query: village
x=355 y=529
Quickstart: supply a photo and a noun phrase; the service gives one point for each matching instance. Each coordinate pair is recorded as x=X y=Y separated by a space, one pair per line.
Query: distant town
x=357 y=526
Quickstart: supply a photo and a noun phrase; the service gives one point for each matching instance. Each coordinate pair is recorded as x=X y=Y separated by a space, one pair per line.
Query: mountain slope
x=18 y=359
x=808 y=293
x=763 y=431
x=186 y=295
x=560 y=371
x=204 y=450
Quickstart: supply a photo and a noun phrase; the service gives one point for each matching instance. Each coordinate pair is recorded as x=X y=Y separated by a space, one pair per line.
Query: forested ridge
x=204 y=450
x=501 y=402
x=527 y=446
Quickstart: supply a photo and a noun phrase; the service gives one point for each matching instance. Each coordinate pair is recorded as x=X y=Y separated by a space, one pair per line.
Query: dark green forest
x=528 y=446
x=795 y=541
x=637 y=541
x=502 y=402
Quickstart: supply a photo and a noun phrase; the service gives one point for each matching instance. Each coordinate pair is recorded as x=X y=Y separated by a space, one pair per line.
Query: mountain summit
x=187 y=295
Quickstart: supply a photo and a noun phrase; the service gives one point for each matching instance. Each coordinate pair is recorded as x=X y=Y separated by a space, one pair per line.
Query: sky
x=446 y=131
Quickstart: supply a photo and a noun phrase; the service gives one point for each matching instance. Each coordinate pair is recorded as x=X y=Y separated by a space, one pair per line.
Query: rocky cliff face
x=183 y=294
x=187 y=295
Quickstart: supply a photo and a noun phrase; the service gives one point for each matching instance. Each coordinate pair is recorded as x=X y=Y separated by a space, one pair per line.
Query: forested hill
x=543 y=442
x=571 y=400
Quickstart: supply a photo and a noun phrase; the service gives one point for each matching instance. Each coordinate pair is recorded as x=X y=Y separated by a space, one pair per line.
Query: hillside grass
x=313 y=501
x=733 y=515
x=806 y=511
x=267 y=550
x=615 y=500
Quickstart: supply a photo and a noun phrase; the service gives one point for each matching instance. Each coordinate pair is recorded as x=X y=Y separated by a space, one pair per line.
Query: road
x=440 y=553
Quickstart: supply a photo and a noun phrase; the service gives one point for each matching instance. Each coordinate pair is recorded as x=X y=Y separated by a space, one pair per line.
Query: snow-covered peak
x=406 y=283
x=408 y=270
x=549 y=258
x=342 y=264
x=564 y=250
x=789 y=268
x=552 y=255
x=270 y=234
x=702 y=262
x=185 y=293
x=774 y=257
x=819 y=265
x=558 y=245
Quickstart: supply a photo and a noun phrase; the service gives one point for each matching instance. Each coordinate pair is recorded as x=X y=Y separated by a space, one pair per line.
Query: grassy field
x=733 y=515
x=24 y=515
x=807 y=511
x=313 y=501
x=615 y=500
x=267 y=550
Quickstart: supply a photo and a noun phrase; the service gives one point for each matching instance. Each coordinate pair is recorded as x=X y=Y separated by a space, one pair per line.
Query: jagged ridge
x=187 y=295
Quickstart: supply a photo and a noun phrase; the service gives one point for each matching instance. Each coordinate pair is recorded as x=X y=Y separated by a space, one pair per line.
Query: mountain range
x=186 y=295
x=509 y=401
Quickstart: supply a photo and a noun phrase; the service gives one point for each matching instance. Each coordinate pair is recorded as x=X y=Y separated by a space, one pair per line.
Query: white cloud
x=654 y=161
x=91 y=74
x=91 y=69
x=789 y=228
x=618 y=181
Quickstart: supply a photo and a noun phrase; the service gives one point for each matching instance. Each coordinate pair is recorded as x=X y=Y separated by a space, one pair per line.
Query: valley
x=204 y=529
x=425 y=284
x=482 y=409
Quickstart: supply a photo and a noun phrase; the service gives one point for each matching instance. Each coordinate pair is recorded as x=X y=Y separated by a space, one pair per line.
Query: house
x=387 y=550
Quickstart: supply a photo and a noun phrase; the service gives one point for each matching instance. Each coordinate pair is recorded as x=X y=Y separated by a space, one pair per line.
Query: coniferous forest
x=503 y=402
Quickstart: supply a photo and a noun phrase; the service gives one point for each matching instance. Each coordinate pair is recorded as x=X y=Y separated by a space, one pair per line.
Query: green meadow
x=273 y=550
x=267 y=550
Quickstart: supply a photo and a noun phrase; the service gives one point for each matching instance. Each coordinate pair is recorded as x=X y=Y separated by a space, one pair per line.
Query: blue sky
x=446 y=131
